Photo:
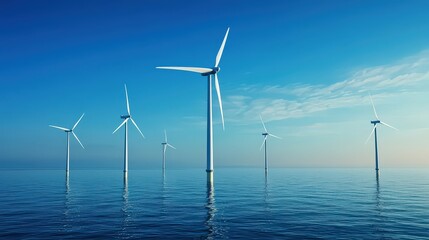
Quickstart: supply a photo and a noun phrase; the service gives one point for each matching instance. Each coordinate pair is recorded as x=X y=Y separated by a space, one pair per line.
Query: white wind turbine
x=374 y=131
x=264 y=143
x=165 y=144
x=68 y=131
x=209 y=72
x=126 y=118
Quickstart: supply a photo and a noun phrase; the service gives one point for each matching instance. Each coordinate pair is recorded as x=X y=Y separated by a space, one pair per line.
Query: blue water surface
x=240 y=203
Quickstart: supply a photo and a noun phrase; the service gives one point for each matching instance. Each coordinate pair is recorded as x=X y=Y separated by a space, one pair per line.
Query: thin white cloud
x=301 y=100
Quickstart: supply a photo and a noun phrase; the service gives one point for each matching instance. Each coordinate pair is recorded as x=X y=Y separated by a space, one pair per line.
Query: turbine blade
x=272 y=135
x=263 y=142
x=78 y=139
x=188 y=69
x=375 y=112
x=219 y=54
x=372 y=132
x=61 y=128
x=220 y=100
x=120 y=125
x=137 y=127
x=77 y=122
x=170 y=146
x=165 y=136
x=385 y=124
x=126 y=96
x=263 y=124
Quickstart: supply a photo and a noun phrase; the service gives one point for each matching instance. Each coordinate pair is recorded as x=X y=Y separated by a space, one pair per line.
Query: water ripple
x=240 y=204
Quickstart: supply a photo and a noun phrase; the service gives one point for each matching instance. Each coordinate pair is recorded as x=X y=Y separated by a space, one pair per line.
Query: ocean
x=289 y=203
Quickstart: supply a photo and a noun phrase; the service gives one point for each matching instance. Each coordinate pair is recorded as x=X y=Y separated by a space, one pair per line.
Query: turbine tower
x=165 y=144
x=68 y=131
x=208 y=72
x=374 y=131
x=264 y=143
x=126 y=118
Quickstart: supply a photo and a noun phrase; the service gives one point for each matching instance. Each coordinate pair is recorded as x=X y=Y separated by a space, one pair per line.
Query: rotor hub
x=214 y=71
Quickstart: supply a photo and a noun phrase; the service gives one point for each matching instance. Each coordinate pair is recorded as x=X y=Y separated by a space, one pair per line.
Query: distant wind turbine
x=264 y=142
x=165 y=144
x=374 y=131
x=126 y=118
x=209 y=72
x=68 y=131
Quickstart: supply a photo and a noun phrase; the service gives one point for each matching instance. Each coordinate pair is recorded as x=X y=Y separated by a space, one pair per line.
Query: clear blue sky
x=306 y=66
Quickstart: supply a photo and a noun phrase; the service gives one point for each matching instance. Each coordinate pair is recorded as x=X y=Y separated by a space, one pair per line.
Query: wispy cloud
x=300 y=100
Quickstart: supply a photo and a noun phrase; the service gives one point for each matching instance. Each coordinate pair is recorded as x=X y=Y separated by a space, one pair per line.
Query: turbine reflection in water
x=67 y=184
x=163 y=196
x=213 y=221
x=266 y=195
x=67 y=225
x=381 y=219
x=125 y=210
x=211 y=209
x=67 y=197
x=266 y=191
x=267 y=208
x=377 y=194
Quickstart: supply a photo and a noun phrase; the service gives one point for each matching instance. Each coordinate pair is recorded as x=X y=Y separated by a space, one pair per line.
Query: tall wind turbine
x=68 y=131
x=165 y=144
x=264 y=143
x=374 y=131
x=126 y=118
x=209 y=72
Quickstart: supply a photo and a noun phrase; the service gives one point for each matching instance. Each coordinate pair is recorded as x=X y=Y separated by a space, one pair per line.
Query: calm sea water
x=241 y=203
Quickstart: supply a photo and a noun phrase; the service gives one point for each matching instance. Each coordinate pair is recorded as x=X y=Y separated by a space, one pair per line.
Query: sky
x=307 y=67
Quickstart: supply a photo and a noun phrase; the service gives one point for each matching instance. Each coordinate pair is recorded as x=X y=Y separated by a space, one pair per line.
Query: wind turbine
x=68 y=131
x=374 y=131
x=264 y=142
x=165 y=144
x=126 y=118
x=209 y=72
